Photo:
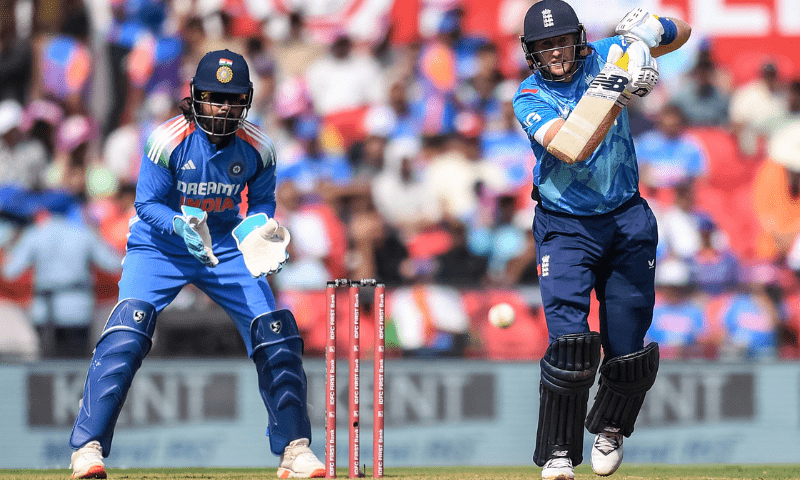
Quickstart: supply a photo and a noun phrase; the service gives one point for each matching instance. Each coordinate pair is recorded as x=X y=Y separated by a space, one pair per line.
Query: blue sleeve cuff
x=248 y=225
x=670 y=30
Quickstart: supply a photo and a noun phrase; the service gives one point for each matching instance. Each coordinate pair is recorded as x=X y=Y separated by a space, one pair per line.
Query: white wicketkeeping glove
x=262 y=243
x=641 y=65
x=638 y=24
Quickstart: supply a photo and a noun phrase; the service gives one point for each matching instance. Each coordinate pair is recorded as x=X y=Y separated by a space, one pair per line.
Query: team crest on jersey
x=236 y=169
x=224 y=74
x=589 y=79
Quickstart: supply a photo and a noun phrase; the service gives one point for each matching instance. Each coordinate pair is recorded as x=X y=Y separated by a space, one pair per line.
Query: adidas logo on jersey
x=189 y=166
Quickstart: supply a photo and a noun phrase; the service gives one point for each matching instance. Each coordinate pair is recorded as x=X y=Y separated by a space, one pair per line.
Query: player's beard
x=221 y=125
x=225 y=126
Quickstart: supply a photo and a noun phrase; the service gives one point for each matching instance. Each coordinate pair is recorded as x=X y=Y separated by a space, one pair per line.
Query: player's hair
x=185 y=106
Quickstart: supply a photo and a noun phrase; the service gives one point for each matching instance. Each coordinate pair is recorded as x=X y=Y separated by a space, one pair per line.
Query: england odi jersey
x=181 y=167
x=610 y=176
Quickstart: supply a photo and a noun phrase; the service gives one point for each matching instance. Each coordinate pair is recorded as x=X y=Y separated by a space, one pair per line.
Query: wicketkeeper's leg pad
x=126 y=340
x=623 y=383
x=568 y=370
x=278 y=355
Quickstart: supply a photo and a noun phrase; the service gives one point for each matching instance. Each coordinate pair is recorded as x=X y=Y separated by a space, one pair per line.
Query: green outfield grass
x=626 y=472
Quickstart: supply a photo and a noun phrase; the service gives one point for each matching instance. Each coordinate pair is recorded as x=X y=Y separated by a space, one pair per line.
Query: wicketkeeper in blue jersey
x=593 y=231
x=187 y=229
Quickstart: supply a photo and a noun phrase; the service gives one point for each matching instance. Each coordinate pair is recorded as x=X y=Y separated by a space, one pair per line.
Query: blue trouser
x=156 y=277
x=151 y=279
x=612 y=253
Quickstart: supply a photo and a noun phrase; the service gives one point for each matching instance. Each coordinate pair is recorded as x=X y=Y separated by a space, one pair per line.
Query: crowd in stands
x=401 y=162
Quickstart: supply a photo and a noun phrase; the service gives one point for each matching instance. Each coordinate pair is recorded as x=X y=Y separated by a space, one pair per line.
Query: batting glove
x=639 y=24
x=642 y=67
x=263 y=244
x=192 y=227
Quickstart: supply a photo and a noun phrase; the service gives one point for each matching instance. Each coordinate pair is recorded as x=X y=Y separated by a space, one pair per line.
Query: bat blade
x=593 y=116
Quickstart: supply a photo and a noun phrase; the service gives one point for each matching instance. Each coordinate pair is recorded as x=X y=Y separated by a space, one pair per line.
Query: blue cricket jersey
x=610 y=176
x=181 y=167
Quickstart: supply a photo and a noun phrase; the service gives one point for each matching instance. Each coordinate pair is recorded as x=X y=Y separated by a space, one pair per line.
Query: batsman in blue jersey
x=593 y=232
x=187 y=229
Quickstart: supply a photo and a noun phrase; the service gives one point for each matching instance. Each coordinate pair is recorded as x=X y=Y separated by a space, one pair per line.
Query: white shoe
x=87 y=461
x=558 y=468
x=607 y=452
x=298 y=461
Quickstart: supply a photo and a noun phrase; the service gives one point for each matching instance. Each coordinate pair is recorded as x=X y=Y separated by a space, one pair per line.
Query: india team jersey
x=181 y=167
x=610 y=176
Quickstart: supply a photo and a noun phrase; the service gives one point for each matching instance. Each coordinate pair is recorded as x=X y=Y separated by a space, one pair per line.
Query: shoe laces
x=608 y=441
x=558 y=462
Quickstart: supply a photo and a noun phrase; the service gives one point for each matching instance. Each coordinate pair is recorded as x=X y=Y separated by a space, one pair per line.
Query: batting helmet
x=222 y=78
x=547 y=19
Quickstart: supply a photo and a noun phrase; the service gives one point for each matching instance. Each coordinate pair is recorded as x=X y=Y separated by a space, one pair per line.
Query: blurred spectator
x=366 y=232
x=523 y=269
x=342 y=84
x=193 y=33
x=64 y=64
x=265 y=84
x=72 y=167
x=776 y=194
x=667 y=155
x=367 y=156
x=142 y=58
x=479 y=96
x=458 y=174
x=62 y=254
x=750 y=320
x=679 y=225
x=41 y=120
x=427 y=320
x=115 y=214
x=297 y=50
x=789 y=331
x=123 y=147
x=754 y=104
x=790 y=114
x=701 y=99
x=16 y=57
x=408 y=120
x=465 y=47
x=506 y=145
x=714 y=270
x=678 y=323
x=318 y=243
x=458 y=266
x=315 y=165
x=22 y=159
x=400 y=196
x=19 y=341
x=501 y=241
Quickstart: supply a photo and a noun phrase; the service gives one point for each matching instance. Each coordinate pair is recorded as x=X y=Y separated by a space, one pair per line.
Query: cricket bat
x=594 y=114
